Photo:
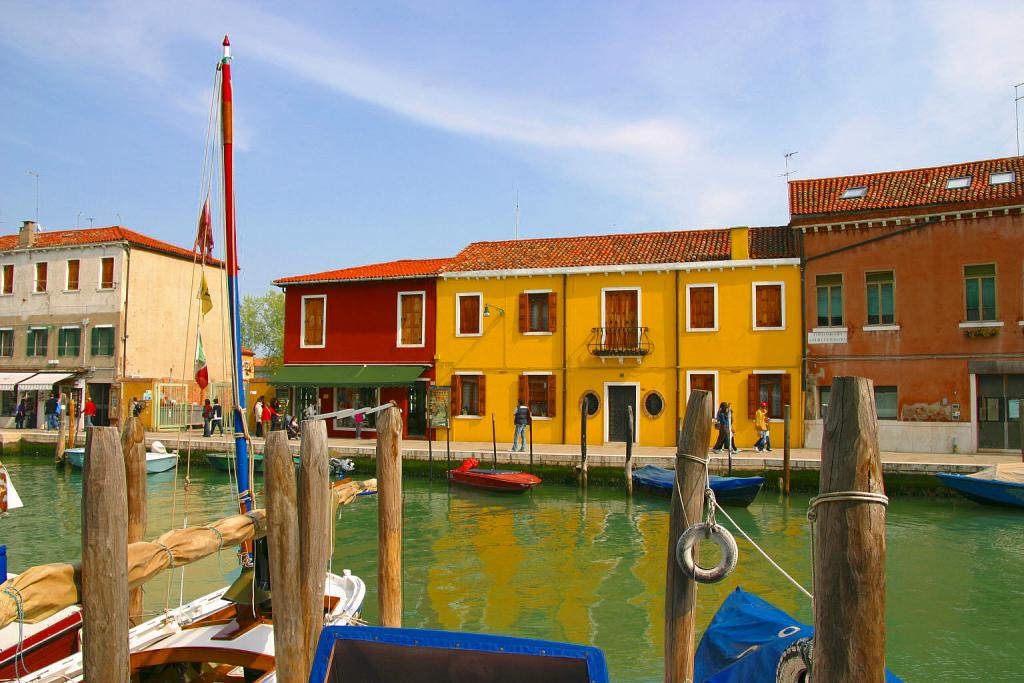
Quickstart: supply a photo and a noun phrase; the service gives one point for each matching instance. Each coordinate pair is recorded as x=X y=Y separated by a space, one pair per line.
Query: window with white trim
x=40 y=281
x=8 y=279
x=71 y=275
x=769 y=305
x=7 y=342
x=701 y=307
x=411 y=307
x=469 y=314
x=314 y=321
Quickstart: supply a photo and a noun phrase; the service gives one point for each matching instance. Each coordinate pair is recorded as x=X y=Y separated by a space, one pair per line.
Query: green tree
x=262 y=319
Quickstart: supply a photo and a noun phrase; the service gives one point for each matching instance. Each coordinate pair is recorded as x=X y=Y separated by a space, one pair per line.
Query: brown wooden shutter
x=552 y=312
x=702 y=307
x=552 y=395
x=785 y=390
x=456 y=395
x=751 y=395
x=524 y=389
x=107 y=276
x=481 y=395
x=524 y=312
x=313 y=331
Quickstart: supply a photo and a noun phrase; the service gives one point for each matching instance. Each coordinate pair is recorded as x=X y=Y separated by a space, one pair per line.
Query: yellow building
x=621 y=323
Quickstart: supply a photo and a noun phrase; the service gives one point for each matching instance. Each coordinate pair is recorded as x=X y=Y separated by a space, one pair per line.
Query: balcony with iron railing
x=620 y=342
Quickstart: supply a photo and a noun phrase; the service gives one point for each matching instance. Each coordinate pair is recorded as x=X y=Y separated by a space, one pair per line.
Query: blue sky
x=373 y=131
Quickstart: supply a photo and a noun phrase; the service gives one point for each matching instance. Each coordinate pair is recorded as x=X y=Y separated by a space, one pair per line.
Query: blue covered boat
x=747 y=638
x=739 y=491
x=998 y=485
x=365 y=654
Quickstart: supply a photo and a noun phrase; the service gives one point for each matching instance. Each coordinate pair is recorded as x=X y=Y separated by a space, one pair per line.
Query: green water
x=589 y=568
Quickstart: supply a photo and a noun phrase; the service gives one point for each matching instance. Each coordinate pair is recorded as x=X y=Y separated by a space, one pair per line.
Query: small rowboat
x=736 y=491
x=998 y=485
x=155 y=461
x=505 y=481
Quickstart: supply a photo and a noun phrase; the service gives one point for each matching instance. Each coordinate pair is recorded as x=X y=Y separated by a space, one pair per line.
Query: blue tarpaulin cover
x=727 y=489
x=745 y=640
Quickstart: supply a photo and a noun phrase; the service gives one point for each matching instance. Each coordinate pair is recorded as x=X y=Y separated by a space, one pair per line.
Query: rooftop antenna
x=1017 y=97
x=90 y=220
x=78 y=219
x=36 y=175
x=788 y=156
x=517 y=213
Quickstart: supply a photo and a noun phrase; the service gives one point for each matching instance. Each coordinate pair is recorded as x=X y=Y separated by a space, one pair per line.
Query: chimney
x=27 y=234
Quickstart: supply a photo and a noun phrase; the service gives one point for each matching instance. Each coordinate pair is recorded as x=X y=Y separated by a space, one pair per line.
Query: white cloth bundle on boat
x=1012 y=473
x=158 y=447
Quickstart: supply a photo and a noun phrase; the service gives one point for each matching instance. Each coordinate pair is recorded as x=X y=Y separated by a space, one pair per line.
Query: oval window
x=592 y=403
x=654 y=404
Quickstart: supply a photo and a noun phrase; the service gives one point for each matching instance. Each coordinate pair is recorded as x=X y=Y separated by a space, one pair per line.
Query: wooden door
x=619 y=398
x=621 y=319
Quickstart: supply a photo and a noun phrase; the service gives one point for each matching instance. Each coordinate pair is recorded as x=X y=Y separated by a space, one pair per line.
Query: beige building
x=109 y=313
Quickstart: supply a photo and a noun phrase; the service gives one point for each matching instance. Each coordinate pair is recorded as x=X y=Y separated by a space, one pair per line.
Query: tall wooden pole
x=583 y=443
x=61 y=431
x=785 y=450
x=531 y=445
x=104 y=558
x=629 y=450
x=389 y=519
x=849 y=554
x=283 y=542
x=133 y=447
x=314 y=531
x=687 y=504
x=494 y=443
x=430 y=456
x=72 y=422
x=448 y=448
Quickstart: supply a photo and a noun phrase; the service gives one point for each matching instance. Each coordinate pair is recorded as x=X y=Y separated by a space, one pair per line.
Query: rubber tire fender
x=720 y=535
x=795 y=662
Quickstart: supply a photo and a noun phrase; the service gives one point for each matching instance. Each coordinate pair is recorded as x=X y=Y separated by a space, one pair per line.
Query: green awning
x=348 y=375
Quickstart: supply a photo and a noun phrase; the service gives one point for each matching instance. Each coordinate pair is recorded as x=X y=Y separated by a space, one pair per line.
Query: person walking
x=521 y=418
x=267 y=418
x=358 y=420
x=207 y=416
x=257 y=412
x=217 y=421
x=275 y=423
x=89 y=410
x=761 y=425
x=50 y=412
x=19 y=415
x=723 y=424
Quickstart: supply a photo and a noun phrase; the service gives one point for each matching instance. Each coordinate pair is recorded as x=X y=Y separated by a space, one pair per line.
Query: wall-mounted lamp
x=488 y=307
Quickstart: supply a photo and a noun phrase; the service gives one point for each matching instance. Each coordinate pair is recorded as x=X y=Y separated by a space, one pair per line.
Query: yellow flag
x=204 y=295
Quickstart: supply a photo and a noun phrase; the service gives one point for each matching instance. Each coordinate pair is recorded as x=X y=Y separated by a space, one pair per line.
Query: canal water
x=589 y=567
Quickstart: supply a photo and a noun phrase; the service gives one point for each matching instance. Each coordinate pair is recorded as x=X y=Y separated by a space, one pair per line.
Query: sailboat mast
x=231 y=247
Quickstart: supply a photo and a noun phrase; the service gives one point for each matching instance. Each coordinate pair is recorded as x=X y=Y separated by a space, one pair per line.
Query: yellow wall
x=735 y=350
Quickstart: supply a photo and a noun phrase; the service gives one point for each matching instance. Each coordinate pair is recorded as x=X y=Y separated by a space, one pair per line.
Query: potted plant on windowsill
x=981 y=331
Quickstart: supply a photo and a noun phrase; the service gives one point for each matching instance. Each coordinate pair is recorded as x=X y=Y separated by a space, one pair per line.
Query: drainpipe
x=565 y=364
x=677 y=334
x=124 y=333
x=803 y=331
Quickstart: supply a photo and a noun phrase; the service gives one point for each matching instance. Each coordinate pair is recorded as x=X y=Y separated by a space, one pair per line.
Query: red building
x=914 y=279
x=360 y=337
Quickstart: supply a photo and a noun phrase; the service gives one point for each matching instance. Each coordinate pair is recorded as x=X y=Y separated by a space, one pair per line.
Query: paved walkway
x=568 y=455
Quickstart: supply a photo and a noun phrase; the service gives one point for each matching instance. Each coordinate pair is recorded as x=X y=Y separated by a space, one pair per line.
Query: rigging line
x=184 y=519
x=766 y=555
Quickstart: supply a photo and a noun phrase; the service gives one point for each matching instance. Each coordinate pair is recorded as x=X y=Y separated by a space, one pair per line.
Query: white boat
x=156 y=461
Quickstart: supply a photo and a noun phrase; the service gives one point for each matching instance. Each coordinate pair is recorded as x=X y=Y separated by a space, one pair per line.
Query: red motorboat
x=505 y=481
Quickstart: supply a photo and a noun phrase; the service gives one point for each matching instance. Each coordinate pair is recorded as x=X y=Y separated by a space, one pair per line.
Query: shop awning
x=348 y=375
x=9 y=379
x=44 y=381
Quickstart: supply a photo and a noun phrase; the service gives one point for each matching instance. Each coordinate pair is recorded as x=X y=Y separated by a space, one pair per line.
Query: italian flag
x=202 y=372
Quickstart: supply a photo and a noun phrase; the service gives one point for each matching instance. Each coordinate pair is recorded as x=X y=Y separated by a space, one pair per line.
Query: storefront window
x=356 y=397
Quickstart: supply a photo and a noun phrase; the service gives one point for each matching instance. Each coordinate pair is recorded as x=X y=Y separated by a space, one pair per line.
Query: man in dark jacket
x=51 y=412
x=521 y=417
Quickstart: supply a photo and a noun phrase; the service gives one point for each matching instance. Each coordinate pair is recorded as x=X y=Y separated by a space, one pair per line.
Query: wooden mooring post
x=133 y=448
x=389 y=516
x=583 y=443
x=430 y=454
x=494 y=443
x=687 y=504
x=629 y=450
x=531 y=445
x=104 y=559
x=62 y=432
x=785 y=450
x=849 y=552
x=315 y=532
x=283 y=545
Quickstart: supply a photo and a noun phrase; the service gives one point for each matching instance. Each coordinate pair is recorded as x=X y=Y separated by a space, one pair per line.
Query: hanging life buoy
x=795 y=662
x=718 y=534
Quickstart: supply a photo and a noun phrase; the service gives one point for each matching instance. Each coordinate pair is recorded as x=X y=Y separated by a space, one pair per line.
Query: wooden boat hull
x=42 y=644
x=985 y=491
x=503 y=481
x=733 y=491
x=155 y=462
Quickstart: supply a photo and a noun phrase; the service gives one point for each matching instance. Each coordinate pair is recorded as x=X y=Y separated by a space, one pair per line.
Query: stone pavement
x=568 y=455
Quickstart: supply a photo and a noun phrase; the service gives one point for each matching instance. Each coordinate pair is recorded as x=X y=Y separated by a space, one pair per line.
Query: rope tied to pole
x=19 y=604
x=838 y=497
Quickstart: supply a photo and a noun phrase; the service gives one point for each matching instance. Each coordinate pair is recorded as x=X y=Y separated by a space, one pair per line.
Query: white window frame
x=689 y=387
x=775 y=372
x=539 y=373
x=753 y=304
x=67 y=275
x=2 y=267
x=11 y=330
x=114 y=340
x=639 y=311
x=458 y=316
x=423 y=320
x=607 y=406
x=539 y=333
x=32 y=328
x=81 y=342
x=699 y=285
x=35 y=277
x=113 y=278
x=302 y=323
x=470 y=373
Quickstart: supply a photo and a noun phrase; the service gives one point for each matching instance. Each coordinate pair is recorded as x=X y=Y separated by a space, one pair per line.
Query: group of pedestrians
x=53 y=408
x=727 y=430
x=266 y=415
x=213 y=417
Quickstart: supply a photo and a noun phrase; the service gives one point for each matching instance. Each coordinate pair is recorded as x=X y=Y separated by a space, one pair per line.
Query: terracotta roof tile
x=596 y=250
x=86 y=236
x=392 y=270
x=911 y=188
x=773 y=242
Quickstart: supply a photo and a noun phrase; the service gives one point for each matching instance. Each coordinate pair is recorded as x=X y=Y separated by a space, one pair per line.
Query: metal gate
x=225 y=396
x=170 y=406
